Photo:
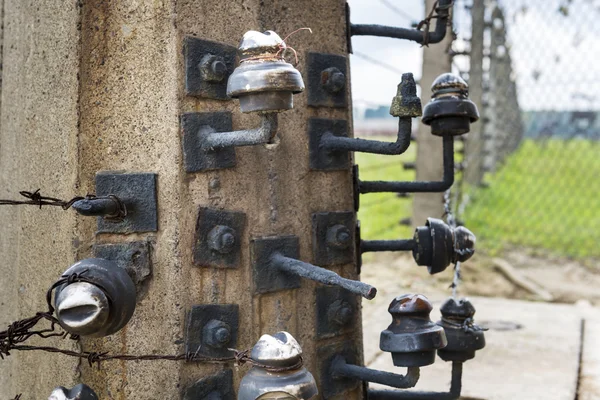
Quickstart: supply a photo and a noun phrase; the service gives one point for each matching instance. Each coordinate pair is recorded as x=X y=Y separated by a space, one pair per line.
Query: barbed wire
x=20 y=331
x=35 y=198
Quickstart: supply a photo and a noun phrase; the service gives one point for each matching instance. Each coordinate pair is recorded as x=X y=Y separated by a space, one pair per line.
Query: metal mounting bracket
x=267 y=279
x=212 y=329
x=218 y=386
x=331 y=386
x=333 y=238
x=207 y=68
x=320 y=158
x=137 y=191
x=218 y=238
x=327 y=77
x=193 y=126
x=134 y=257
x=336 y=311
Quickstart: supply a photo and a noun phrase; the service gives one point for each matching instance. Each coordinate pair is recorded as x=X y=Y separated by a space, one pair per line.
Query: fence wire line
x=35 y=198
x=21 y=331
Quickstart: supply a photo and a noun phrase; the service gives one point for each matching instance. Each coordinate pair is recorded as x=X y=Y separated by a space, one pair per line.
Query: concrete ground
x=534 y=350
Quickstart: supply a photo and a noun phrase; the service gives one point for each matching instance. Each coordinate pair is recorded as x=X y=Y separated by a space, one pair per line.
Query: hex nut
x=216 y=334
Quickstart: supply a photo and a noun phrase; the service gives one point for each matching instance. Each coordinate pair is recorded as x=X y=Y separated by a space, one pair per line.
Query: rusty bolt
x=340 y=312
x=333 y=80
x=339 y=236
x=216 y=334
x=221 y=238
x=213 y=68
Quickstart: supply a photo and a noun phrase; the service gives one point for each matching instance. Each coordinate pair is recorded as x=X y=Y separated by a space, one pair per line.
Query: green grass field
x=544 y=197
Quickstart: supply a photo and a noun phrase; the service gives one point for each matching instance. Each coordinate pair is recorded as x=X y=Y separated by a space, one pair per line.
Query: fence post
x=436 y=60
x=99 y=85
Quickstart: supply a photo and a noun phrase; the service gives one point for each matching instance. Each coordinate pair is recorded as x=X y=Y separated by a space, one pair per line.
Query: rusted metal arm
x=453 y=394
x=367 y=246
x=418 y=186
x=442 y=11
x=341 y=369
x=339 y=143
x=322 y=275
x=245 y=137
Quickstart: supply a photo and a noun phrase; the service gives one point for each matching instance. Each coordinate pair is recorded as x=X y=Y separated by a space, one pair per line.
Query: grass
x=546 y=196
x=380 y=213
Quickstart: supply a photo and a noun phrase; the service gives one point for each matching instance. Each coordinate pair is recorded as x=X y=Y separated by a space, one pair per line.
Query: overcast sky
x=555 y=57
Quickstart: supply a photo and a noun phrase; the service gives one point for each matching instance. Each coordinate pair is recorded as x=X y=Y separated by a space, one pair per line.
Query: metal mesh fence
x=529 y=177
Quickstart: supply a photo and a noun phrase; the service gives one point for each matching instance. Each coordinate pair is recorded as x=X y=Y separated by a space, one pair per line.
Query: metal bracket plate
x=356 y=187
x=138 y=192
x=195 y=50
x=321 y=159
x=330 y=386
x=218 y=386
x=207 y=253
x=324 y=251
x=266 y=278
x=199 y=316
x=321 y=91
x=336 y=311
x=193 y=125
x=358 y=244
x=134 y=257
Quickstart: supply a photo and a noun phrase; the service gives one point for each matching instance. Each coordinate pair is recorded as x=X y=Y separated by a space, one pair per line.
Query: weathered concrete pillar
x=475 y=143
x=436 y=61
x=96 y=85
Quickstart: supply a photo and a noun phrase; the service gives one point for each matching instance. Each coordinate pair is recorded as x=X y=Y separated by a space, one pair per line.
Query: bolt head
x=216 y=334
x=340 y=313
x=82 y=308
x=333 y=80
x=221 y=238
x=339 y=236
x=219 y=69
x=212 y=68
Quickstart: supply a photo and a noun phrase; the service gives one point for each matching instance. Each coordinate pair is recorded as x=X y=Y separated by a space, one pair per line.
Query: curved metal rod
x=418 y=186
x=453 y=394
x=322 y=275
x=341 y=369
x=368 y=246
x=340 y=143
x=414 y=35
x=245 y=137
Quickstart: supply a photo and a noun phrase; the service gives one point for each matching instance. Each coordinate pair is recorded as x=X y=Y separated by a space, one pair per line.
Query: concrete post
x=97 y=85
x=436 y=61
x=474 y=146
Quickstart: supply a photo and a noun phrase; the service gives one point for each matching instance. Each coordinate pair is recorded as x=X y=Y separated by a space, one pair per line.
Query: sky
x=555 y=56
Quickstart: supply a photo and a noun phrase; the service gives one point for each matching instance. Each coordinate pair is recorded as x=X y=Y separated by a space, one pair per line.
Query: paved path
x=540 y=360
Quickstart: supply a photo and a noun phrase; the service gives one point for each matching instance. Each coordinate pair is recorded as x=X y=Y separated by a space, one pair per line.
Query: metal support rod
x=340 y=369
x=453 y=394
x=246 y=137
x=367 y=246
x=322 y=275
x=109 y=206
x=418 y=186
x=414 y=35
x=340 y=143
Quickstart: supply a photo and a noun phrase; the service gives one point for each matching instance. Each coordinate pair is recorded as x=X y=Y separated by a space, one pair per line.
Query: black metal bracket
x=218 y=386
x=137 y=191
x=321 y=158
x=333 y=235
x=442 y=10
x=134 y=257
x=327 y=76
x=416 y=186
x=266 y=278
x=218 y=238
x=195 y=126
x=453 y=394
x=212 y=329
x=331 y=386
x=277 y=267
x=337 y=311
x=207 y=68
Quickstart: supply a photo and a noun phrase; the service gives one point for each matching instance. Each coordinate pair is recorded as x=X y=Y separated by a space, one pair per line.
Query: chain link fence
x=529 y=176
